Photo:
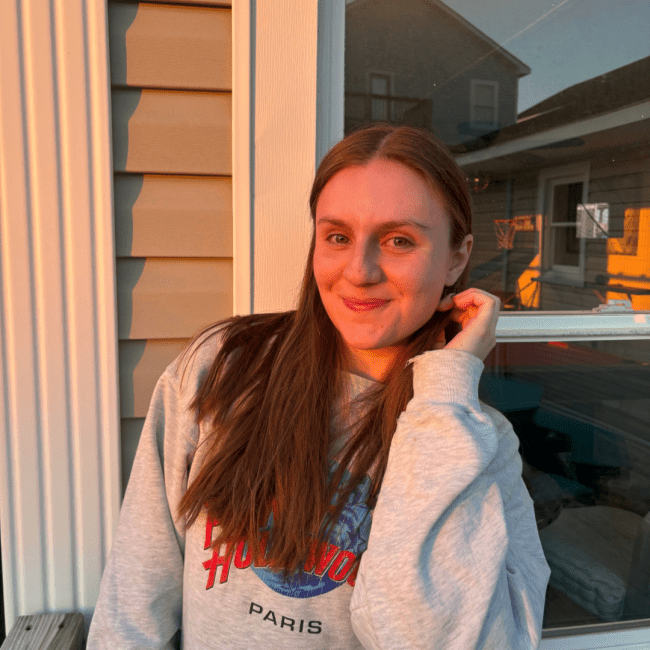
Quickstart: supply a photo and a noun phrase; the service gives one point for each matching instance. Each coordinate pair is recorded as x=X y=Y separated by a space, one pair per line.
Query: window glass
x=546 y=106
x=580 y=411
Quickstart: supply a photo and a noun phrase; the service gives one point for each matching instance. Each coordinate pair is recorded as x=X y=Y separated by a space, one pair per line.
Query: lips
x=364 y=305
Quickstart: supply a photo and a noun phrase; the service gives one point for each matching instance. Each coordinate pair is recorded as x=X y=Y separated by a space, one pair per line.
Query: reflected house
x=419 y=62
x=575 y=169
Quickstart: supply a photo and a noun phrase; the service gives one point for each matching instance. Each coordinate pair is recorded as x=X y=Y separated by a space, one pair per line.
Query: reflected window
x=564 y=211
x=523 y=92
x=484 y=105
x=379 y=92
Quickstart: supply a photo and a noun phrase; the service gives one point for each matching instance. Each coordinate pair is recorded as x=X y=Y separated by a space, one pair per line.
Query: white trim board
x=285 y=147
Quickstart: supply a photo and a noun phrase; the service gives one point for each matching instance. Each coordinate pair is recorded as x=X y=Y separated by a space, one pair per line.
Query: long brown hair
x=282 y=372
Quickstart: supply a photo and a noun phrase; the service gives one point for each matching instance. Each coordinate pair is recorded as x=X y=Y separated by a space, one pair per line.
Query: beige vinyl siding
x=171 y=104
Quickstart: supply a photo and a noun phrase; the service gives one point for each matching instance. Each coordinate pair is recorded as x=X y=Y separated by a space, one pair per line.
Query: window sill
x=534 y=326
x=628 y=635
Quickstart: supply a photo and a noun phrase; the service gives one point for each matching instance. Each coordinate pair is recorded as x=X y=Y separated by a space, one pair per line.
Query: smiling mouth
x=363 y=305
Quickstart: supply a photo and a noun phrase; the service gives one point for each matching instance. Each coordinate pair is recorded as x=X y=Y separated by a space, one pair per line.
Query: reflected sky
x=564 y=42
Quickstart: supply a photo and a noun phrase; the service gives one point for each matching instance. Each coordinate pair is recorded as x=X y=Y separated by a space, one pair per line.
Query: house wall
x=59 y=417
x=171 y=99
x=430 y=55
x=491 y=204
x=623 y=183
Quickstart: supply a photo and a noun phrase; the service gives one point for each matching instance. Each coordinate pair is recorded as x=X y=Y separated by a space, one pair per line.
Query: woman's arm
x=454 y=559
x=140 y=599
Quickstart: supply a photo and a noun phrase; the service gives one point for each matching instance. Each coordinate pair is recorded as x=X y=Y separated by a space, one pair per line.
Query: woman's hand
x=477 y=312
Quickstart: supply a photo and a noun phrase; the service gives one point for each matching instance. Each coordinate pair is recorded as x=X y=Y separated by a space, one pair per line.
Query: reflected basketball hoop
x=504 y=229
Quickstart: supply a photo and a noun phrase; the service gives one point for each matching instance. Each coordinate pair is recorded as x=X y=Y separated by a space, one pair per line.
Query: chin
x=368 y=344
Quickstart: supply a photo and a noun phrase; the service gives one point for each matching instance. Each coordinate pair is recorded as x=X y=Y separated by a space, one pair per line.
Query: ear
x=458 y=260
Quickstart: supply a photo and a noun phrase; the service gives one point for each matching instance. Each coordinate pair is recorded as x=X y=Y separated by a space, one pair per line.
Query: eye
x=400 y=242
x=337 y=238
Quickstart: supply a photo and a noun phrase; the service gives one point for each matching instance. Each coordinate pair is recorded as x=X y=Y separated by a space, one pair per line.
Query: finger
x=446 y=303
x=477 y=307
x=476 y=297
x=485 y=302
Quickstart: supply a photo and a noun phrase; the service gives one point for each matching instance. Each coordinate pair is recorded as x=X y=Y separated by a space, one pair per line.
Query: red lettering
x=310 y=562
x=218 y=560
x=209 y=525
x=317 y=562
x=342 y=566
x=353 y=574
x=243 y=561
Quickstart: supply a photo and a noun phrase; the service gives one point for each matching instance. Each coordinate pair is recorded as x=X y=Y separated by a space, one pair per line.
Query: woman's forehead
x=382 y=190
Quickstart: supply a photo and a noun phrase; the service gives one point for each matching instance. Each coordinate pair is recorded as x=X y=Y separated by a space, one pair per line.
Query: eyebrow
x=386 y=225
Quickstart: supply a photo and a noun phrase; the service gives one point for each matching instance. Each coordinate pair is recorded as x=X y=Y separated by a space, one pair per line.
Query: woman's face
x=382 y=258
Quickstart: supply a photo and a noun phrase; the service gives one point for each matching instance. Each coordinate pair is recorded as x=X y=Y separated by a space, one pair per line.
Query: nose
x=363 y=265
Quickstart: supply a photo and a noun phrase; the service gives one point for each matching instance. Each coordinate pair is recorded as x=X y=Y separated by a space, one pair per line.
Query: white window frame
x=391 y=84
x=474 y=122
x=327 y=128
x=548 y=180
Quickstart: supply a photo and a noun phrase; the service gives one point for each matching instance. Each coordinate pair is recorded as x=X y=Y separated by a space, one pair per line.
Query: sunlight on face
x=382 y=258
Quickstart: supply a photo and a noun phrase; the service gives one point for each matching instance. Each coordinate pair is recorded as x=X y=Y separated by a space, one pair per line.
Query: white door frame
x=59 y=398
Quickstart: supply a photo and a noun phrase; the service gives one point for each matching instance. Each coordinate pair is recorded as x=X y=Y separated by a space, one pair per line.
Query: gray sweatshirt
x=450 y=555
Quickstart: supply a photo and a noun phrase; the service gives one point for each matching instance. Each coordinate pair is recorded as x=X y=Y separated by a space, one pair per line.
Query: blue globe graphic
x=349 y=534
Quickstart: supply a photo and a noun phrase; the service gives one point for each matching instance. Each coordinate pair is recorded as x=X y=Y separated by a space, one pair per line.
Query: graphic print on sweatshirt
x=337 y=563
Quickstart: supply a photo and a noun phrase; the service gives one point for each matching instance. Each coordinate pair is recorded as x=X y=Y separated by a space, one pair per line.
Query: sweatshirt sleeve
x=140 y=598
x=454 y=559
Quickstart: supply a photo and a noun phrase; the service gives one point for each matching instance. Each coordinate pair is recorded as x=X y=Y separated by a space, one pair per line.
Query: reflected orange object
x=636 y=266
x=527 y=289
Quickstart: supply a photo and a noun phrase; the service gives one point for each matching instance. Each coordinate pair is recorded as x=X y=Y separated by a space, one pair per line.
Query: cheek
x=325 y=269
x=424 y=283
x=321 y=274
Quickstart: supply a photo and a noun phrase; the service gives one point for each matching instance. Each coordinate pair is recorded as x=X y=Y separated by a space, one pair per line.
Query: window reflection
x=550 y=124
x=580 y=411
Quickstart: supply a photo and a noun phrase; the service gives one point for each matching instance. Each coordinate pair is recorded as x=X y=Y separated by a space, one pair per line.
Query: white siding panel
x=59 y=433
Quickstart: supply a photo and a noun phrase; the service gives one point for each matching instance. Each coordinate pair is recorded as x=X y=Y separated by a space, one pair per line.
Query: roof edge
x=518 y=63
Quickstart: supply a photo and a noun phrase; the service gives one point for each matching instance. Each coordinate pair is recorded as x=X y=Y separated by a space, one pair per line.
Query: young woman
x=327 y=478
